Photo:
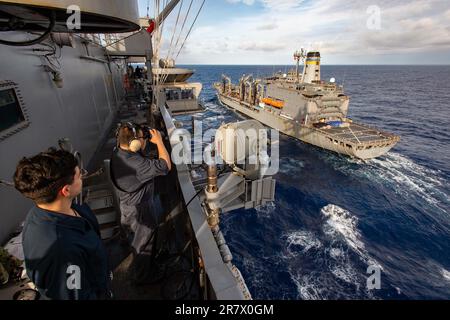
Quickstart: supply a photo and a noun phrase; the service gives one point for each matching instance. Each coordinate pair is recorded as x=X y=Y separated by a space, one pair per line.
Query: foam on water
x=336 y=253
x=446 y=274
x=266 y=210
x=309 y=287
x=347 y=274
x=290 y=166
x=411 y=177
x=397 y=172
x=341 y=223
x=303 y=240
x=339 y=276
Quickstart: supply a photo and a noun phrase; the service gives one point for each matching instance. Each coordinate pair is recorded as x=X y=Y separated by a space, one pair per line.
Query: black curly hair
x=41 y=177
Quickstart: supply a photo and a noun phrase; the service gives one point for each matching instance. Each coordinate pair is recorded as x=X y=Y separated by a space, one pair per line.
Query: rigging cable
x=174 y=30
x=184 y=23
x=193 y=23
x=171 y=47
x=181 y=31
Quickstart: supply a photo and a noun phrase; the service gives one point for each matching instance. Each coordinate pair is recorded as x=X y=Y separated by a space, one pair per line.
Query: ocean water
x=333 y=217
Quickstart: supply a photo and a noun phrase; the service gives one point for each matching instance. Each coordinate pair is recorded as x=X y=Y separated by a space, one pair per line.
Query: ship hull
x=311 y=135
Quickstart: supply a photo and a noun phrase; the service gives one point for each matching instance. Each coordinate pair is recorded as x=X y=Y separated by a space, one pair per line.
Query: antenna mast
x=298 y=56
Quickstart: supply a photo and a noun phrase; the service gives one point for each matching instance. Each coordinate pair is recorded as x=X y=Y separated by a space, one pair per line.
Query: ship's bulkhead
x=75 y=96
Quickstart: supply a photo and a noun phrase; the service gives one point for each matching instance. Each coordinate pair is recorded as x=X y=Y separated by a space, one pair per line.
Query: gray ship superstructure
x=68 y=88
x=307 y=108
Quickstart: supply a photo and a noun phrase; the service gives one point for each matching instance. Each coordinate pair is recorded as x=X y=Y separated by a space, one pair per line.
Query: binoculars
x=146 y=131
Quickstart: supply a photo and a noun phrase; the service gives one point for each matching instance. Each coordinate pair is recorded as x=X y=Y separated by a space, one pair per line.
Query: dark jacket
x=134 y=175
x=53 y=242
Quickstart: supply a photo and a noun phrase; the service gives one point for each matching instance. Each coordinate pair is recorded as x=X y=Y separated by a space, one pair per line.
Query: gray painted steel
x=97 y=16
x=331 y=141
x=83 y=110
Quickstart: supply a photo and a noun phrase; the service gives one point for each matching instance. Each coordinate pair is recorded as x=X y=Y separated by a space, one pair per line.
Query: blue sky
x=345 y=31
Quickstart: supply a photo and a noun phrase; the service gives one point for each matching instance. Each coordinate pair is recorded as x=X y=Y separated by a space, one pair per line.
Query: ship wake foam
x=446 y=274
x=322 y=264
x=290 y=166
x=341 y=224
x=409 y=177
x=302 y=242
x=266 y=210
x=401 y=174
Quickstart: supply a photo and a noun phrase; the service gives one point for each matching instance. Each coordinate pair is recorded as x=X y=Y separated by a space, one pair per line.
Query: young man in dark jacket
x=64 y=254
x=133 y=174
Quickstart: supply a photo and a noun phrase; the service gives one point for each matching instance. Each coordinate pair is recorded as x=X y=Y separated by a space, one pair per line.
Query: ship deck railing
x=221 y=278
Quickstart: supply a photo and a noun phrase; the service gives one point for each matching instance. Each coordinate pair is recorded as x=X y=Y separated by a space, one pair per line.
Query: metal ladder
x=100 y=196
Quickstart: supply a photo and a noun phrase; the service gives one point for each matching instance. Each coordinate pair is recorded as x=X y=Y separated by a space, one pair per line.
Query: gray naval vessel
x=69 y=87
x=306 y=108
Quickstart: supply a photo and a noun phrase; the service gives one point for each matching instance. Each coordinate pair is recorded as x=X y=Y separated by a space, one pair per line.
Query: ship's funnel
x=99 y=16
x=311 y=72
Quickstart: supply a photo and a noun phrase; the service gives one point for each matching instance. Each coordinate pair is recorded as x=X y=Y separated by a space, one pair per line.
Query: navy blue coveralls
x=140 y=210
x=53 y=242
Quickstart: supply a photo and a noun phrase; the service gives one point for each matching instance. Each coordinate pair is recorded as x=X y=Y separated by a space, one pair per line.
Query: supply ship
x=306 y=108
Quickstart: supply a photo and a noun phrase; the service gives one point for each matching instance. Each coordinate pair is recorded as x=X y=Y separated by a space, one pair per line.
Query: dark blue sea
x=333 y=217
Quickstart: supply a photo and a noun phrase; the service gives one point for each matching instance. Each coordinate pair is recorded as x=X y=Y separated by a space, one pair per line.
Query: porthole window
x=13 y=115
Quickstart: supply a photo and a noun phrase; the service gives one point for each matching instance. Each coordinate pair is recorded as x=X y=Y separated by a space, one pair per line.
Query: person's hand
x=156 y=137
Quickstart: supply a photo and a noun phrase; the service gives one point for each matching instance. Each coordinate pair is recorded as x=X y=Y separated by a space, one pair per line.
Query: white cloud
x=268 y=26
x=272 y=4
x=247 y=2
x=282 y=4
x=447 y=14
x=336 y=27
x=261 y=46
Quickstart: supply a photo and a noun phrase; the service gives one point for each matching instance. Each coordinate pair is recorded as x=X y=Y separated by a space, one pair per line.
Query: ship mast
x=298 y=56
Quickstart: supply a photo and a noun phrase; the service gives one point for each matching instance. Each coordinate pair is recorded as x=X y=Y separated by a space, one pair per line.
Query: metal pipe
x=225 y=251
x=167 y=10
x=213 y=214
x=212 y=179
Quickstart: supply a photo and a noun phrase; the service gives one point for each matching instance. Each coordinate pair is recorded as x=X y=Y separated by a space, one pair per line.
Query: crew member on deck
x=133 y=175
x=64 y=254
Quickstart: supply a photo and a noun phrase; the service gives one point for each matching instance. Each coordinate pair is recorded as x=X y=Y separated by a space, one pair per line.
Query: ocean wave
x=340 y=277
x=302 y=241
x=340 y=223
x=290 y=166
x=309 y=287
x=399 y=173
x=266 y=210
x=446 y=274
x=411 y=177
x=346 y=273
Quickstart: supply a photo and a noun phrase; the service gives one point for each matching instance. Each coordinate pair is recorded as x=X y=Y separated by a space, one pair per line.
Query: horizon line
x=269 y=65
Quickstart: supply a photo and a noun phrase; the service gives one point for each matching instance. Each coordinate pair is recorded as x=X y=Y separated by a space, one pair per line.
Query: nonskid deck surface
x=357 y=134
